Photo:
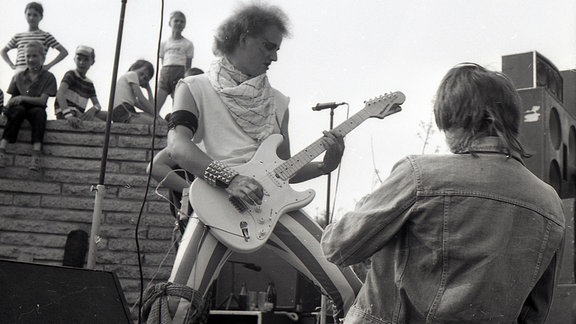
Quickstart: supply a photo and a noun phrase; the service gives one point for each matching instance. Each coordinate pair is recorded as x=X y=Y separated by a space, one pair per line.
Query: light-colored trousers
x=296 y=239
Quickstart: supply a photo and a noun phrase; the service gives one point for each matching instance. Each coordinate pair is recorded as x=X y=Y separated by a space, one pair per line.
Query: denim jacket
x=454 y=239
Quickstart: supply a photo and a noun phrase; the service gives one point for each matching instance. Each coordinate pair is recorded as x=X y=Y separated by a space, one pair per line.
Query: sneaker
x=35 y=163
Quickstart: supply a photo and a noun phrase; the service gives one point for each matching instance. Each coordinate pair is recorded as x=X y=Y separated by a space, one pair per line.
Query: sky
x=339 y=51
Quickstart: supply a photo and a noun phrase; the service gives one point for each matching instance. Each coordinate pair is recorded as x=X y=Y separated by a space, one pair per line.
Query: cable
x=172 y=245
x=376 y=171
x=157 y=192
x=136 y=236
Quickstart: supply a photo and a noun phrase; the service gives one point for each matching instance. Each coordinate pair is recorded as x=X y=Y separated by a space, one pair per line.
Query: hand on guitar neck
x=334 y=144
x=334 y=151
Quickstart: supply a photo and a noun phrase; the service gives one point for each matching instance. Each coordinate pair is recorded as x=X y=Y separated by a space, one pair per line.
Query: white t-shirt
x=176 y=51
x=124 y=93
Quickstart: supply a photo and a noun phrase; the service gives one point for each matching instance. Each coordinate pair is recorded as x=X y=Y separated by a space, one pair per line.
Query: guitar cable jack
x=244 y=228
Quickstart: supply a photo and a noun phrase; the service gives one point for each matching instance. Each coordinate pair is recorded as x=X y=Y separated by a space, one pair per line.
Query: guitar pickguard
x=240 y=226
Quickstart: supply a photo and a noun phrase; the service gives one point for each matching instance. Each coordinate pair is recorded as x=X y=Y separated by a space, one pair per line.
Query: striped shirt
x=20 y=40
x=79 y=91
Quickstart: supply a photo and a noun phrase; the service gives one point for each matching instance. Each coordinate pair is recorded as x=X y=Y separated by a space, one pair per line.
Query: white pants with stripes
x=296 y=239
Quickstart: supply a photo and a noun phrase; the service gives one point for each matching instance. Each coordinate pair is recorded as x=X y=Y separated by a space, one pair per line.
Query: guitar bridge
x=238 y=204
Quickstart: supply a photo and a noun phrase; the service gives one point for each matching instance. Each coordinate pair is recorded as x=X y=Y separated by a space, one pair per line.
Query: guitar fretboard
x=289 y=168
x=380 y=107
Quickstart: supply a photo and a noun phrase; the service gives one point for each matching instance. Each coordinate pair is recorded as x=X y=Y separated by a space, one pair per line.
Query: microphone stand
x=329 y=175
x=101 y=188
x=332 y=106
x=324 y=299
x=232 y=298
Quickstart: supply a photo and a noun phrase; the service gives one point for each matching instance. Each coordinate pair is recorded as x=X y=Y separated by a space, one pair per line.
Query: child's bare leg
x=35 y=158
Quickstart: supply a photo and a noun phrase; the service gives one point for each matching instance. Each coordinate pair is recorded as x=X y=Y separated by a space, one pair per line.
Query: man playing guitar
x=219 y=121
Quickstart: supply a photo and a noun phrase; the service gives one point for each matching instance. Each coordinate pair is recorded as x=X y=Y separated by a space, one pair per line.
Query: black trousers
x=36 y=116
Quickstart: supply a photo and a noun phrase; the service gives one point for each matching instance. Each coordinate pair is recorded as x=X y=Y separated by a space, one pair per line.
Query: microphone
x=327 y=105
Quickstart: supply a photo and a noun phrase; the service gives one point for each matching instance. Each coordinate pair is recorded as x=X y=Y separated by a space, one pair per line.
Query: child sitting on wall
x=29 y=90
x=76 y=89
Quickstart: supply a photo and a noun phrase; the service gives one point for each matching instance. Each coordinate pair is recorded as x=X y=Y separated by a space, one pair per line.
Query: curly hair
x=473 y=102
x=248 y=20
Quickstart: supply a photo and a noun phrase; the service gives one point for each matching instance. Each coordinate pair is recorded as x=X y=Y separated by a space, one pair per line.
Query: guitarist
x=219 y=120
x=468 y=237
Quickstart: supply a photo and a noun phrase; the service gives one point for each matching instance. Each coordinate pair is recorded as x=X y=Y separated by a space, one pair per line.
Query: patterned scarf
x=249 y=100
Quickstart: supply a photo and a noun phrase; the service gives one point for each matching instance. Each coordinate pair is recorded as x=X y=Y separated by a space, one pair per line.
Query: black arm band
x=184 y=118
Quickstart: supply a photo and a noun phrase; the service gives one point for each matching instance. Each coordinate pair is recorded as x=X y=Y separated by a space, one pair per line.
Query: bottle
x=299 y=306
x=271 y=295
x=243 y=297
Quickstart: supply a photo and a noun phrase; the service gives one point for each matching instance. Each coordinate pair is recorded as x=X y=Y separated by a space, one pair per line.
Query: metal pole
x=324 y=299
x=95 y=229
x=329 y=178
x=100 y=188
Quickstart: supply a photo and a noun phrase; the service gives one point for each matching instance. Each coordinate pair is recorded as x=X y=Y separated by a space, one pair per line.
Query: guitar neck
x=289 y=168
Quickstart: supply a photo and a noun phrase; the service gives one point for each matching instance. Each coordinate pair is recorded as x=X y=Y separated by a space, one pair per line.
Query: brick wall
x=38 y=210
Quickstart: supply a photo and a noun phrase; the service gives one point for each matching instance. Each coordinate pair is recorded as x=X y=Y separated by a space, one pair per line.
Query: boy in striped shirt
x=34 y=13
x=76 y=89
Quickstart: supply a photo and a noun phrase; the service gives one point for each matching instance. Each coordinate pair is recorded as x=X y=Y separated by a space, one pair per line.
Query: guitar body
x=246 y=228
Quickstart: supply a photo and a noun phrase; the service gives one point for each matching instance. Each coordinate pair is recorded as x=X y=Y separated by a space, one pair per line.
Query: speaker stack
x=548 y=130
x=569 y=93
x=549 y=133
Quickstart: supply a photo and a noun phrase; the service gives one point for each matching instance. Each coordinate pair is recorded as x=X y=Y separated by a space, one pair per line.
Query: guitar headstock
x=385 y=105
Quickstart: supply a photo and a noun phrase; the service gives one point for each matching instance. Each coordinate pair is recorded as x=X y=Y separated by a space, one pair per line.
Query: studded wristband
x=219 y=175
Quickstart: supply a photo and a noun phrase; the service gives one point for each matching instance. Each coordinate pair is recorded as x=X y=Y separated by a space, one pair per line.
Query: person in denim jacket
x=468 y=237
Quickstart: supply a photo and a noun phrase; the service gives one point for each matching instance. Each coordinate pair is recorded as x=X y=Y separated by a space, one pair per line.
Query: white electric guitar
x=245 y=228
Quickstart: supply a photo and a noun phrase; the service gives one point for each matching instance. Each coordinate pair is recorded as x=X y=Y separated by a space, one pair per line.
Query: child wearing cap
x=176 y=53
x=34 y=12
x=76 y=89
x=29 y=90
